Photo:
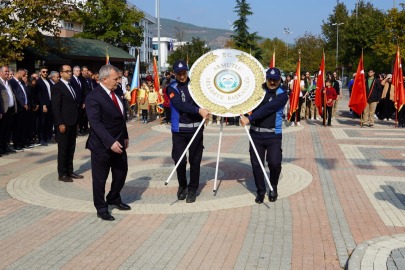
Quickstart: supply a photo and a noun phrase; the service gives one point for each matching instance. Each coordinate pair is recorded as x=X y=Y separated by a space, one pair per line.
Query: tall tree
x=393 y=32
x=24 y=22
x=111 y=21
x=244 y=40
x=287 y=64
x=193 y=50
x=339 y=15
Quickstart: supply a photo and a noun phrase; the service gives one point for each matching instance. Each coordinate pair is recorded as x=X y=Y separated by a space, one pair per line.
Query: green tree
x=362 y=35
x=193 y=50
x=393 y=33
x=244 y=40
x=284 y=63
x=111 y=21
x=24 y=22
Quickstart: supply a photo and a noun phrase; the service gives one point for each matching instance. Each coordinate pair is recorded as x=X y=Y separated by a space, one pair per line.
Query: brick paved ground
x=342 y=202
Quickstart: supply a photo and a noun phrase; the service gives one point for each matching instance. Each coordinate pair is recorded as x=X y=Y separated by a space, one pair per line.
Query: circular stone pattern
x=145 y=190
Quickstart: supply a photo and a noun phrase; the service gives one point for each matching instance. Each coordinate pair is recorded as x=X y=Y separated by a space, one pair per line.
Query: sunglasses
x=44 y=71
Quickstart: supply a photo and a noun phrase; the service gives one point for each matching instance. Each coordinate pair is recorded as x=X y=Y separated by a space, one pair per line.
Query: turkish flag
x=398 y=82
x=358 y=99
x=295 y=94
x=320 y=84
x=273 y=60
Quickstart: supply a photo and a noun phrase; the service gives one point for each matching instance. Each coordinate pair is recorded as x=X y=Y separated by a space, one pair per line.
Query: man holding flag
x=373 y=94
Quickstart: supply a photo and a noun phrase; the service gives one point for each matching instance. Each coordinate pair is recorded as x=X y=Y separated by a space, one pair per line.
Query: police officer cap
x=179 y=66
x=273 y=73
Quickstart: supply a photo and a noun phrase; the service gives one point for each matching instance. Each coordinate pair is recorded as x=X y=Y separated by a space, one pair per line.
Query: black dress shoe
x=121 y=206
x=3 y=152
x=259 y=199
x=65 y=178
x=76 y=176
x=10 y=150
x=182 y=193
x=105 y=216
x=191 y=196
x=273 y=195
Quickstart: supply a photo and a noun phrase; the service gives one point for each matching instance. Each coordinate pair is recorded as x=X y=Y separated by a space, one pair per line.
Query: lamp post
x=337 y=41
x=287 y=31
x=158 y=22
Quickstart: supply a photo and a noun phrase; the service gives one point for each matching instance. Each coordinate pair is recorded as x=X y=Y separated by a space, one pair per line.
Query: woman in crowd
x=335 y=85
x=386 y=107
x=152 y=96
x=288 y=84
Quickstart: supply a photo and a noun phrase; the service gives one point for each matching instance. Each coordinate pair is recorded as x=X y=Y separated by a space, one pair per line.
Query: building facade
x=165 y=50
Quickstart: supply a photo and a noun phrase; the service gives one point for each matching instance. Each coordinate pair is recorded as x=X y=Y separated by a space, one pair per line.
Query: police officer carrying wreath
x=186 y=117
x=265 y=129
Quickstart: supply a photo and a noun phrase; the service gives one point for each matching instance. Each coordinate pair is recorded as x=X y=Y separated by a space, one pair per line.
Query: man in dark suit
x=43 y=91
x=9 y=109
x=65 y=108
x=80 y=87
x=20 y=121
x=108 y=141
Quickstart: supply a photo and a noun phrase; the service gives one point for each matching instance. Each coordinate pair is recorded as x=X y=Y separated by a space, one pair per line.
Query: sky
x=269 y=19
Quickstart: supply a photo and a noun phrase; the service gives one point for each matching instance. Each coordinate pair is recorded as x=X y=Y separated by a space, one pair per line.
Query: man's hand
x=337 y=98
x=126 y=141
x=117 y=147
x=35 y=109
x=62 y=129
x=1 y=116
x=84 y=105
x=340 y=96
x=26 y=107
x=44 y=109
x=244 y=120
x=204 y=113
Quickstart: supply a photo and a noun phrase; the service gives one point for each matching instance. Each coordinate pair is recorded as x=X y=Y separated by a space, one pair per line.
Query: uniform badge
x=180 y=65
x=272 y=72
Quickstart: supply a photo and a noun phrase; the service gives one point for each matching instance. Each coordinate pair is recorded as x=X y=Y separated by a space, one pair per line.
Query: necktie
x=71 y=91
x=114 y=98
x=78 y=82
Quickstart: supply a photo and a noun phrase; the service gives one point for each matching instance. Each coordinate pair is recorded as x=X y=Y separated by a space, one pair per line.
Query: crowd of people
x=379 y=91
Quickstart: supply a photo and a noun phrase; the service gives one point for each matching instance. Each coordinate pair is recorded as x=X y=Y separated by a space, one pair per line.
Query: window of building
x=155 y=47
x=68 y=26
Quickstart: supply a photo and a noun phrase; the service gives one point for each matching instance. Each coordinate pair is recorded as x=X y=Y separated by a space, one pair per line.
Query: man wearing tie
x=65 y=108
x=43 y=90
x=108 y=141
x=78 y=86
x=20 y=121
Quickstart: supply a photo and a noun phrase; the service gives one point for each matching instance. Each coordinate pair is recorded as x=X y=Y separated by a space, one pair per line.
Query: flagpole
x=219 y=151
x=396 y=117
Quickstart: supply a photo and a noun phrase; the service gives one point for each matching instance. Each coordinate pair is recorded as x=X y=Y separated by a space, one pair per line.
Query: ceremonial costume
x=185 y=120
x=266 y=132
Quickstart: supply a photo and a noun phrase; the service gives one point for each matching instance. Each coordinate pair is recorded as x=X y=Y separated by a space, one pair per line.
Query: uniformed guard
x=265 y=130
x=186 y=117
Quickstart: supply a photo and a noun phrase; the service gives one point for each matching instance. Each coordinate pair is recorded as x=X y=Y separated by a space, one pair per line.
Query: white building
x=165 y=50
x=146 y=51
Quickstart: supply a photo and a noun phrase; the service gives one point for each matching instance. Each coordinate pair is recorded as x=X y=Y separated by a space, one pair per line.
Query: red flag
x=273 y=60
x=397 y=81
x=358 y=99
x=295 y=94
x=320 y=84
x=159 y=105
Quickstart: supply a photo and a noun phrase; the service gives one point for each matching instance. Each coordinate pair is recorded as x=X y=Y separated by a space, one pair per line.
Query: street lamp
x=287 y=31
x=337 y=41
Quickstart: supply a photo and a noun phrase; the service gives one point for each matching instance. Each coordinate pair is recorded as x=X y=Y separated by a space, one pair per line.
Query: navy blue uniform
x=266 y=131
x=185 y=119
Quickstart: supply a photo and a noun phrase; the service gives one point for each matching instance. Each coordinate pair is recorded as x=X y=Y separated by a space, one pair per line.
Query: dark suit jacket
x=64 y=106
x=376 y=91
x=81 y=90
x=18 y=93
x=42 y=94
x=1 y=105
x=32 y=97
x=106 y=121
x=88 y=86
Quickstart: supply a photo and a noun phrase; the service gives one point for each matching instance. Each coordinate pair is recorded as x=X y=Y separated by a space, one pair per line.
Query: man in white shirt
x=43 y=91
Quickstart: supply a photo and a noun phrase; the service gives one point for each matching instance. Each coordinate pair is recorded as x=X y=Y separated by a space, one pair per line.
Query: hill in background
x=215 y=38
